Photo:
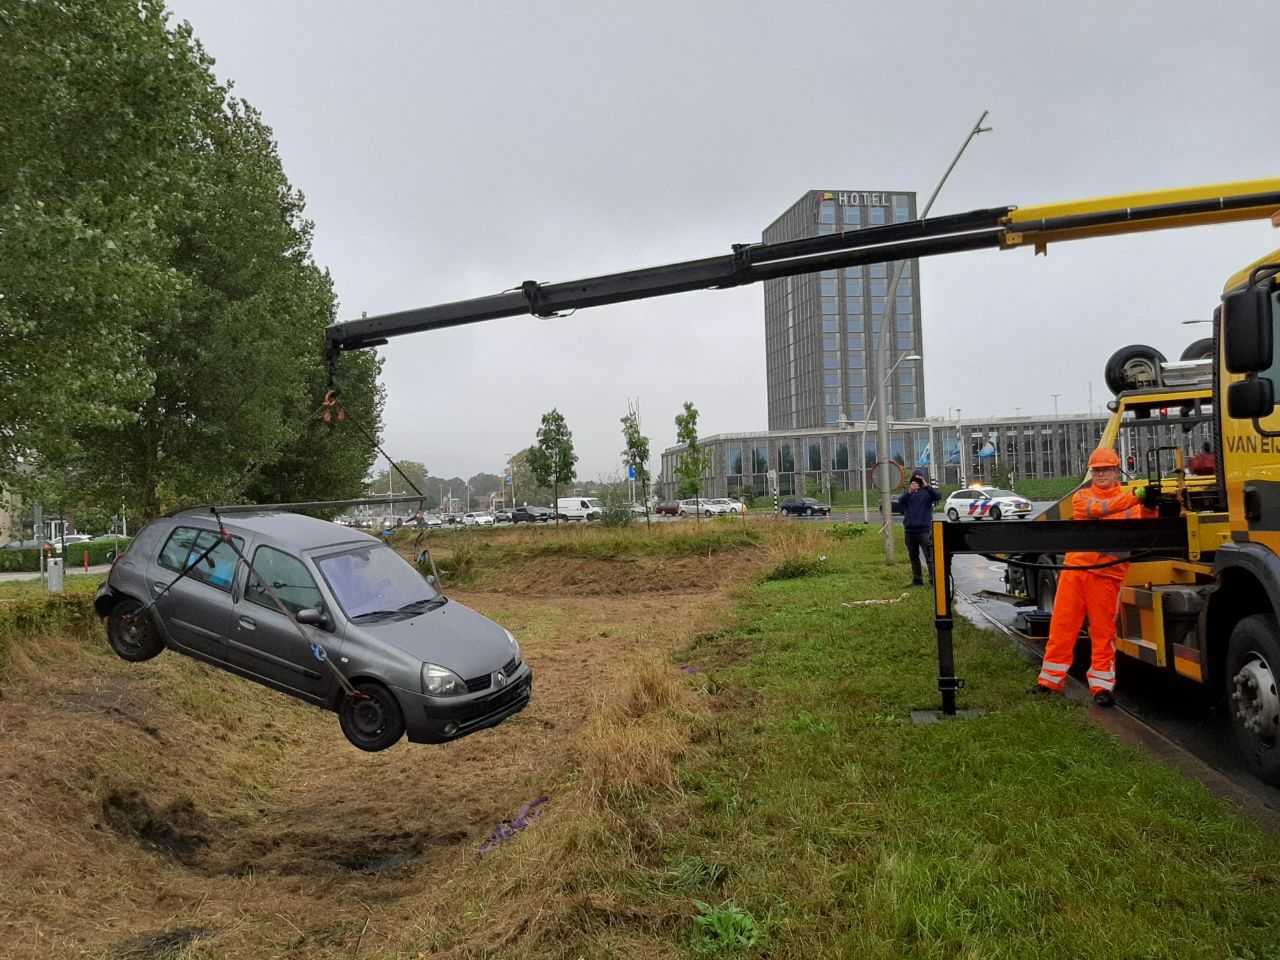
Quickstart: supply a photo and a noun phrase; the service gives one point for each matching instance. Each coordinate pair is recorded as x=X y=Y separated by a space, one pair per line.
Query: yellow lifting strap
x=1136 y=212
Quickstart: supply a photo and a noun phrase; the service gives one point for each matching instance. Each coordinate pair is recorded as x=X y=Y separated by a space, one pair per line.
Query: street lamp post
x=880 y=453
x=886 y=331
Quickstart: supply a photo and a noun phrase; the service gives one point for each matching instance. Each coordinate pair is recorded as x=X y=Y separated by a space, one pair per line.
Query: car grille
x=476 y=684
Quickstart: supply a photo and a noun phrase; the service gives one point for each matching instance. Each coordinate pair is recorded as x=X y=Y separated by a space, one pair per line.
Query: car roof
x=293 y=528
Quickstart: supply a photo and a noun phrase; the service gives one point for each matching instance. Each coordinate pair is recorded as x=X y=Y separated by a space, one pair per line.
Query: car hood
x=452 y=636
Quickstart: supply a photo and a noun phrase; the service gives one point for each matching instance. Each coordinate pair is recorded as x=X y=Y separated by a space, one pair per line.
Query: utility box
x=53 y=566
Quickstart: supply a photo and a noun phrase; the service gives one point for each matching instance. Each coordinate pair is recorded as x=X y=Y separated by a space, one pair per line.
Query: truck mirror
x=1246 y=329
x=1251 y=398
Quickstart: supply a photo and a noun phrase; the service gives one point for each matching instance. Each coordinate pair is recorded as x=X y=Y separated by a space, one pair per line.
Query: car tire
x=994 y=513
x=373 y=721
x=707 y=514
x=953 y=514
x=808 y=511
x=1132 y=366
x=1253 y=659
x=1201 y=349
x=131 y=635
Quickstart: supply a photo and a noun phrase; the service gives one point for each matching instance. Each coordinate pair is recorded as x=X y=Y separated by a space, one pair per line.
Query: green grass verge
x=842 y=829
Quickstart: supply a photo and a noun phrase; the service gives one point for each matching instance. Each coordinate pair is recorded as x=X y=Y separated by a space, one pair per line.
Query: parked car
x=637 y=509
x=352 y=608
x=697 y=505
x=477 y=518
x=531 y=514
x=667 y=508
x=579 y=508
x=502 y=516
x=803 y=507
x=723 y=505
x=993 y=503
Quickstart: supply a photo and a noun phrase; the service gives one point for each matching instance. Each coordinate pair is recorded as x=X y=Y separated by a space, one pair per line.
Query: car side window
x=288 y=577
x=186 y=544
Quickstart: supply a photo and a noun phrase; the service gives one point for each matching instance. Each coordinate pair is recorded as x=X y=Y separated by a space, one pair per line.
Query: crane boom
x=1001 y=228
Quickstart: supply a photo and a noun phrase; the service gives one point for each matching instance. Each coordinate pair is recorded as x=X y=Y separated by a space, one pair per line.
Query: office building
x=821 y=330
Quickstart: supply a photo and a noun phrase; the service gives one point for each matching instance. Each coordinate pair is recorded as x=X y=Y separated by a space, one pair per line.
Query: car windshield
x=375 y=580
x=1000 y=493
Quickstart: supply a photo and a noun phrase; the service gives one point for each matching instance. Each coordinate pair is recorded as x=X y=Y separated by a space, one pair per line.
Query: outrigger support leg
x=943 y=621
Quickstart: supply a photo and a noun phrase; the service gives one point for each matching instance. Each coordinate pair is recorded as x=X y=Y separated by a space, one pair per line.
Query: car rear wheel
x=953 y=514
x=372 y=720
x=132 y=635
x=995 y=513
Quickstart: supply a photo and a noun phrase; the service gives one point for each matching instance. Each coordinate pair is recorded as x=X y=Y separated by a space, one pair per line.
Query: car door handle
x=248 y=623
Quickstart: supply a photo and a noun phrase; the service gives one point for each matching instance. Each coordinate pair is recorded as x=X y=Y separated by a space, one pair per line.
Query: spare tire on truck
x=1133 y=367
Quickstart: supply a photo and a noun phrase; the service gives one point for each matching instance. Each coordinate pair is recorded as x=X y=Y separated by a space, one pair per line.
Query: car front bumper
x=441 y=719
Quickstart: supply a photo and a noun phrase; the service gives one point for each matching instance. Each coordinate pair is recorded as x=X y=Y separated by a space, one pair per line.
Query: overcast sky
x=450 y=151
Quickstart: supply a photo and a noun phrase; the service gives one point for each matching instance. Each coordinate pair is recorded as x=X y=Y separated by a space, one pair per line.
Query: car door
x=196 y=609
x=265 y=640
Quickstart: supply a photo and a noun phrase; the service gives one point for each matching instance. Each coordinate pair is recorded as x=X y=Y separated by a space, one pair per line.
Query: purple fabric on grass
x=507 y=829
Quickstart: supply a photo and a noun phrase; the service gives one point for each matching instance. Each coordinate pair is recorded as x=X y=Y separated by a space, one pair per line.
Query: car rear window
x=186 y=544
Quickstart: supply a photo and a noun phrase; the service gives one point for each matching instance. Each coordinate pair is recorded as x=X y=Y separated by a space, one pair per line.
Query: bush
x=795 y=567
x=847 y=531
x=28 y=560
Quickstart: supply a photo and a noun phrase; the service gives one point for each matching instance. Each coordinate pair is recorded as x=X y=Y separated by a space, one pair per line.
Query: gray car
x=364 y=634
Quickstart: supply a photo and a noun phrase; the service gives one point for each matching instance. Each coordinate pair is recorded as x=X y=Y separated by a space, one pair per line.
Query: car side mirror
x=431 y=578
x=313 y=618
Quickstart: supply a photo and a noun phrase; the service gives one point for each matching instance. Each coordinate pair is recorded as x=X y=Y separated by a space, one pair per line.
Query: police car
x=991 y=503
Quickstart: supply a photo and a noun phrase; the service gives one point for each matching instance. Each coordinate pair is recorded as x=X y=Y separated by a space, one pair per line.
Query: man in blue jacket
x=916 y=507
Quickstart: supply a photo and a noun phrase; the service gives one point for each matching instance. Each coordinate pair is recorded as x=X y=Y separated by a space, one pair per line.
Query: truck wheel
x=1253 y=659
x=1136 y=365
x=1046 y=588
x=1201 y=349
x=132 y=635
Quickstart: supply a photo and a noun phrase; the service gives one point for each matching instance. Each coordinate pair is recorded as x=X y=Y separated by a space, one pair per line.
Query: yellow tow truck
x=1204 y=597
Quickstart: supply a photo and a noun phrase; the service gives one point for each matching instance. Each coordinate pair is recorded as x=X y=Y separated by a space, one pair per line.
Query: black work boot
x=1104 y=698
x=1041 y=689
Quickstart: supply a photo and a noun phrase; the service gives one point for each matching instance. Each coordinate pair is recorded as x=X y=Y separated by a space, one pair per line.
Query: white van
x=579 y=508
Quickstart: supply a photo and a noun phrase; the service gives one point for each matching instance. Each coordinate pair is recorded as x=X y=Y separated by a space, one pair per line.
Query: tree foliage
x=693 y=461
x=552 y=460
x=162 y=319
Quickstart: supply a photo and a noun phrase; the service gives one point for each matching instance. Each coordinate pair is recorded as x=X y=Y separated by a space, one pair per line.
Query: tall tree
x=552 y=459
x=693 y=461
x=185 y=311
x=636 y=454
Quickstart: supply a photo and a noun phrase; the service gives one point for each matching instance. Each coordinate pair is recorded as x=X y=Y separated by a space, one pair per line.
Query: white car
x=725 y=505
x=992 y=503
x=478 y=519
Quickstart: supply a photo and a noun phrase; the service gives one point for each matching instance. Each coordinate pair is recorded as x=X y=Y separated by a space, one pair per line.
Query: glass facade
x=804 y=316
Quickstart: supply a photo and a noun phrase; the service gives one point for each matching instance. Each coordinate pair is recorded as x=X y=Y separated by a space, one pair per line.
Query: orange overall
x=1089 y=593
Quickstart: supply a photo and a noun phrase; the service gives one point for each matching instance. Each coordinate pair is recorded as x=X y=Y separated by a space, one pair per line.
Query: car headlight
x=515 y=644
x=439 y=682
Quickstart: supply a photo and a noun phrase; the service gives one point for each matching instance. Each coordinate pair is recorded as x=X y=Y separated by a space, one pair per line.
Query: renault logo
x=500 y=679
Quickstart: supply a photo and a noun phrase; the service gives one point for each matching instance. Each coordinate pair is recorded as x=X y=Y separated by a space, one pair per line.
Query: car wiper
x=426 y=603
x=376 y=615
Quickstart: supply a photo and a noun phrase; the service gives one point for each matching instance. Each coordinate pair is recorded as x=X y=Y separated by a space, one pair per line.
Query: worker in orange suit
x=1092 y=592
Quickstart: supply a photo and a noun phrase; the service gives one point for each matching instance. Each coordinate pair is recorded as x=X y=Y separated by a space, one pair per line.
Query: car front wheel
x=132 y=635
x=707 y=513
x=371 y=720
x=953 y=514
x=995 y=513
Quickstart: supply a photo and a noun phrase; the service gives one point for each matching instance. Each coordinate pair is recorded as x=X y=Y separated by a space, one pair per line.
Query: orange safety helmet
x=1104 y=457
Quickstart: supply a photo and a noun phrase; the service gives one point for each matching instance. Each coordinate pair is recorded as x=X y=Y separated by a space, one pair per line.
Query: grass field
x=726 y=747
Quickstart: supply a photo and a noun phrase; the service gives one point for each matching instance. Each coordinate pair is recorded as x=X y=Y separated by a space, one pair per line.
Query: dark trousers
x=918 y=541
